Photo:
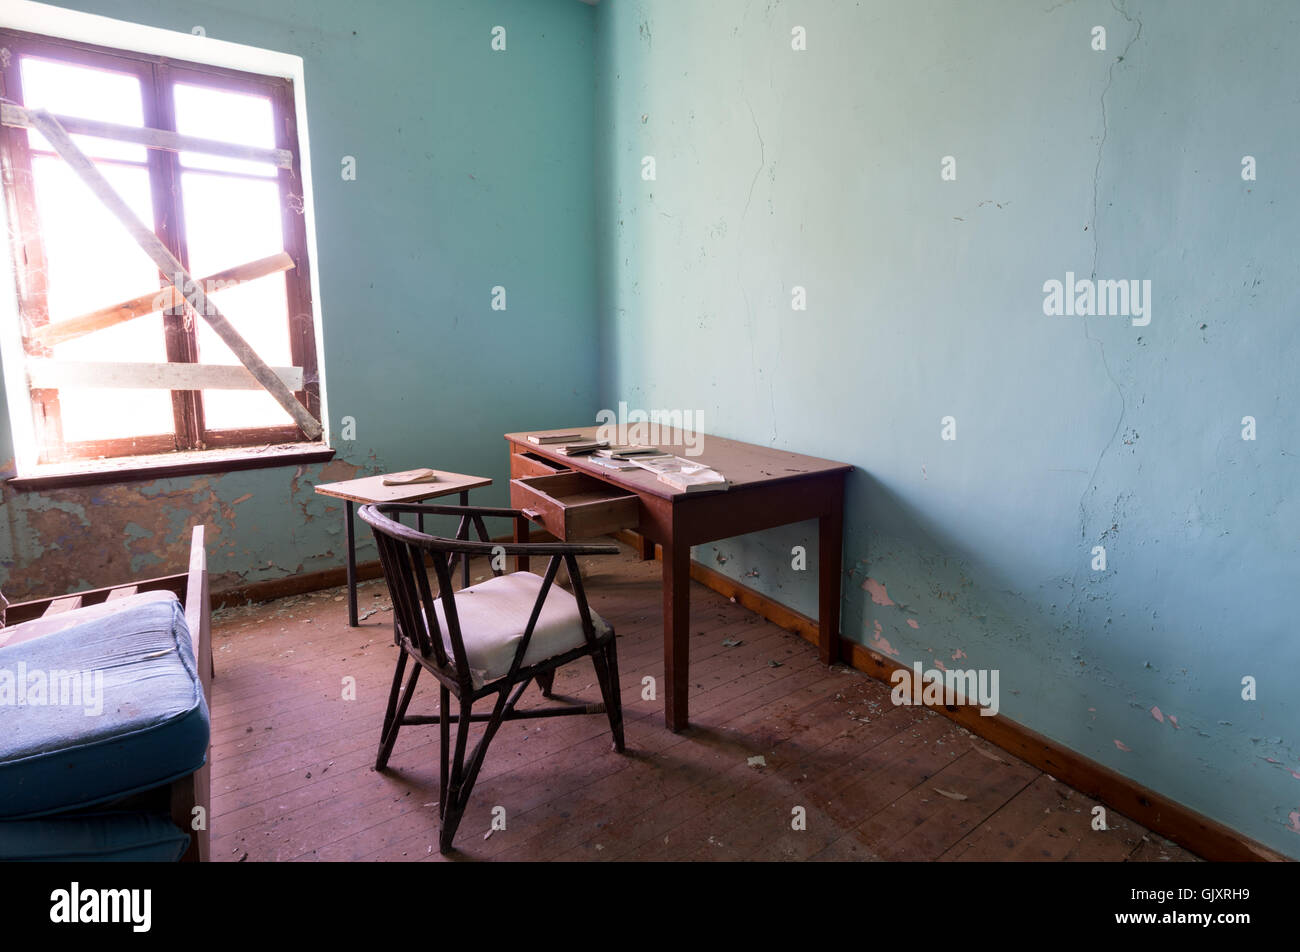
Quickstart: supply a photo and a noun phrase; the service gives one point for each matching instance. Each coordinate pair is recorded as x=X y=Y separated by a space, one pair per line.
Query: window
x=101 y=331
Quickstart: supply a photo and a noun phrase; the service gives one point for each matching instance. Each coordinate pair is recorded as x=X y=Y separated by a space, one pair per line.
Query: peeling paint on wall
x=879 y=642
x=877 y=592
x=62 y=540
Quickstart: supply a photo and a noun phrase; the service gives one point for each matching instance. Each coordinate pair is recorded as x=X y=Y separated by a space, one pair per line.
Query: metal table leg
x=350 y=532
x=464 y=559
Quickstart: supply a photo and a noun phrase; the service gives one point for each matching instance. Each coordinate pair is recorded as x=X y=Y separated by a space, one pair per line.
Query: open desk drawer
x=531 y=464
x=574 y=505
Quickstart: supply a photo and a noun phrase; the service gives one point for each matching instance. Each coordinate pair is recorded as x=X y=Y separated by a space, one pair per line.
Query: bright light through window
x=213 y=212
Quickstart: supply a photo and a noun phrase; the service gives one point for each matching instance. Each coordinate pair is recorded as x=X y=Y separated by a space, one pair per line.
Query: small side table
x=371 y=489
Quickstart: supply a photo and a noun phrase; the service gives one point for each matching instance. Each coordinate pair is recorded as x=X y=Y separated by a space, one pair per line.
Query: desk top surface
x=372 y=488
x=745 y=464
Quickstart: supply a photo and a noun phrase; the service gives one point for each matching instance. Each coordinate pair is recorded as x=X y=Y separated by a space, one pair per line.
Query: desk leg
x=350 y=532
x=521 y=535
x=830 y=532
x=677 y=633
x=647 y=549
x=464 y=558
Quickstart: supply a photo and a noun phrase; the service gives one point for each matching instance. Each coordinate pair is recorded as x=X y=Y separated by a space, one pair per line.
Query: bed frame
x=191 y=588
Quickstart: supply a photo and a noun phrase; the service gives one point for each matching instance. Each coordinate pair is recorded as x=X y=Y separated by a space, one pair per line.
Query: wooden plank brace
x=72 y=328
x=117 y=375
x=12 y=115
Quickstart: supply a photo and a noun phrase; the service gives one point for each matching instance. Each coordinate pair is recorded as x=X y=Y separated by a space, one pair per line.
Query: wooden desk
x=371 y=489
x=770 y=488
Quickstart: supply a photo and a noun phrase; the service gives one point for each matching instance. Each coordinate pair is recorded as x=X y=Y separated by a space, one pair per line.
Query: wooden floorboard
x=844 y=774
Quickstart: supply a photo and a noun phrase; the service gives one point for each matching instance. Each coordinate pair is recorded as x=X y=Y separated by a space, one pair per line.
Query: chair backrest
x=402 y=553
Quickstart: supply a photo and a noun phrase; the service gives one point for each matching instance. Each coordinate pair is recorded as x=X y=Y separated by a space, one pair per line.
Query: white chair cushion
x=494 y=614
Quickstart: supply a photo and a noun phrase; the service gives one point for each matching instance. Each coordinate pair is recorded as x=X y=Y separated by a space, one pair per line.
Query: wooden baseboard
x=291 y=585
x=1206 y=838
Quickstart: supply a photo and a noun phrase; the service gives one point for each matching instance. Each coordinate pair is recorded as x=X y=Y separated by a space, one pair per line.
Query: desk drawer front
x=530 y=464
x=573 y=505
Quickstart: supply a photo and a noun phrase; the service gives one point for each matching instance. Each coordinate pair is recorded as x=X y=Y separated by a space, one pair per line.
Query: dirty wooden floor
x=292 y=777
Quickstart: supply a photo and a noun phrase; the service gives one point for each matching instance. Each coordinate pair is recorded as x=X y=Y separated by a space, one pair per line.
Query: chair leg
x=452 y=805
x=546 y=681
x=444 y=747
x=615 y=709
x=395 y=723
x=463 y=775
x=391 y=711
x=605 y=661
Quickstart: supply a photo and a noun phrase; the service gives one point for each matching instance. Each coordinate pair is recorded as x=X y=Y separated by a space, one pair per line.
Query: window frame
x=158 y=75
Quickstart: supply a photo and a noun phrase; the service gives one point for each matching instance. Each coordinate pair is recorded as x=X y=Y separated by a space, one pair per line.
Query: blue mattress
x=100 y=710
x=93 y=837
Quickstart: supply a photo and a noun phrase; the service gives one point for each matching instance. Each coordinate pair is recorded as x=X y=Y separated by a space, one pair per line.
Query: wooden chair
x=490 y=639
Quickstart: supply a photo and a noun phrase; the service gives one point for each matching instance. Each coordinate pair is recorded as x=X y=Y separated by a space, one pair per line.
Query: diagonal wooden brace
x=72 y=328
x=172 y=270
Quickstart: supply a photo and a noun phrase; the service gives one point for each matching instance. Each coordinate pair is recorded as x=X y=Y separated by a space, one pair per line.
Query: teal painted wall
x=821 y=169
x=474 y=169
